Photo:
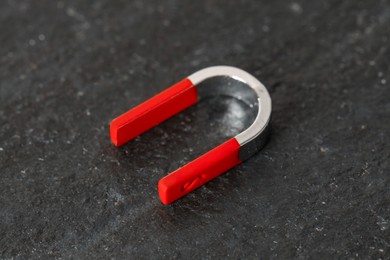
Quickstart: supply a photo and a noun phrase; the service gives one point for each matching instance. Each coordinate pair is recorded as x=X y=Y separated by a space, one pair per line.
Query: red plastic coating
x=152 y=112
x=198 y=172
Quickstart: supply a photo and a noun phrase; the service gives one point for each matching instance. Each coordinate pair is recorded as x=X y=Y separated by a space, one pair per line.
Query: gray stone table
x=319 y=189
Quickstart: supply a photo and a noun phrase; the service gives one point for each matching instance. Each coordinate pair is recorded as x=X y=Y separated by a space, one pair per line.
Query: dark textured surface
x=319 y=189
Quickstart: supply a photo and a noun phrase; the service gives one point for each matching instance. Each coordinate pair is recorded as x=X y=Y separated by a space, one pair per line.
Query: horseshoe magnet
x=218 y=80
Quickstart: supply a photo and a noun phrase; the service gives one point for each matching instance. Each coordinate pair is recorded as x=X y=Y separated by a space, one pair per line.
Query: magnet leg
x=152 y=112
x=198 y=172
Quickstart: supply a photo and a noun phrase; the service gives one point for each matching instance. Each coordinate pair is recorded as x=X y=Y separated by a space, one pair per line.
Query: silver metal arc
x=238 y=83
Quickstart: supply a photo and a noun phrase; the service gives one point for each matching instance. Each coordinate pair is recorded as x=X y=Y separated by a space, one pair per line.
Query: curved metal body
x=243 y=86
x=217 y=80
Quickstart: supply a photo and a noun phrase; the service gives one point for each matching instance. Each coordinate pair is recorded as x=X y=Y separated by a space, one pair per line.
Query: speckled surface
x=319 y=189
